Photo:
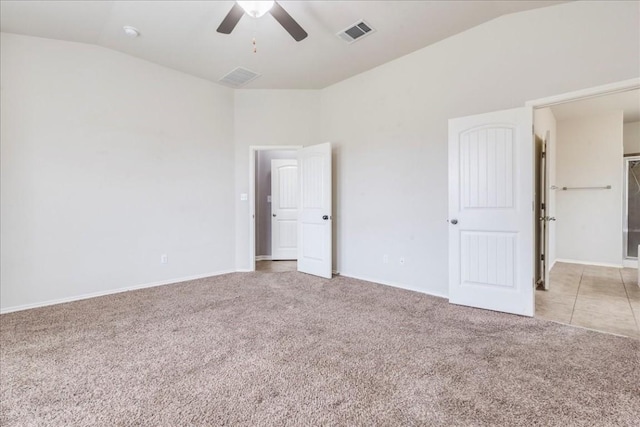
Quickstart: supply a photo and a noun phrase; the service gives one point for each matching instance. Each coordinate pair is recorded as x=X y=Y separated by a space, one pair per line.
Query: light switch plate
x=244 y=196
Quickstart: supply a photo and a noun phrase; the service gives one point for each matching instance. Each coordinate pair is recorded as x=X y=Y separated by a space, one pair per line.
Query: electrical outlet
x=164 y=259
x=385 y=259
x=402 y=261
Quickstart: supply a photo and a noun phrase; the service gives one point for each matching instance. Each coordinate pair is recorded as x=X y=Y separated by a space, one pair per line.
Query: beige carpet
x=289 y=349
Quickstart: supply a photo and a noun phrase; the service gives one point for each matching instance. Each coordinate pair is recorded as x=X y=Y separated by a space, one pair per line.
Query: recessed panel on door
x=288 y=186
x=313 y=179
x=486 y=168
x=312 y=242
x=489 y=259
x=288 y=233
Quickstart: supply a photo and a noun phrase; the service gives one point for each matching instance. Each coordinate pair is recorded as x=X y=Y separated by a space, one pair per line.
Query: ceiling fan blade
x=231 y=20
x=287 y=22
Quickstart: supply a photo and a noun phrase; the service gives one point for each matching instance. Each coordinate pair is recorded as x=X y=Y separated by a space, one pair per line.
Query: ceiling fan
x=256 y=9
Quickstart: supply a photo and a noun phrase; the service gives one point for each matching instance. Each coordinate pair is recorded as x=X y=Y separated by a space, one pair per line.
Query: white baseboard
x=270 y=258
x=395 y=285
x=110 y=292
x=598 y=264
x=630 y=263
x=186 y=279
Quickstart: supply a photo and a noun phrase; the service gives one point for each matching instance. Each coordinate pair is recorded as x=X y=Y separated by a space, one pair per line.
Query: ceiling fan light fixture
x=255 y=9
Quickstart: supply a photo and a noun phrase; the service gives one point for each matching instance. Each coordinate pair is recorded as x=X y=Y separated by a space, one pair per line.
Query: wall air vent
x=238 y=77
x=356 y=31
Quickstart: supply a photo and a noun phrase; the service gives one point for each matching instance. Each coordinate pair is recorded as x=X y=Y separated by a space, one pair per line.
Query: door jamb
x=592 y=92
x=252 y=194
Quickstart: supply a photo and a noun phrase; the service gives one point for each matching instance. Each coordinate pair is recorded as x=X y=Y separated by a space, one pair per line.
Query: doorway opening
x=588 y=209
x=312 y=196
x=631 y=231
x=273 y=208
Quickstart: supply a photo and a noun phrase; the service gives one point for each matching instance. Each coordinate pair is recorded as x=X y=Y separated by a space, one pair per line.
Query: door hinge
x=544 y=154
x=542 y=206
x=542 y=257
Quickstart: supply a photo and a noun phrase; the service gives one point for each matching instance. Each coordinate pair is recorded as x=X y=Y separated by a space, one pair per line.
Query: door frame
x=540 y=193
x=547 y=225
x=578 y=95
x=592 y=92
x=253 y=149
x=627 y=262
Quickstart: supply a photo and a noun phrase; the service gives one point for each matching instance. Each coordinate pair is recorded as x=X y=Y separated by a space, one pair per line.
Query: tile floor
x=601 y=298
x=276 y=266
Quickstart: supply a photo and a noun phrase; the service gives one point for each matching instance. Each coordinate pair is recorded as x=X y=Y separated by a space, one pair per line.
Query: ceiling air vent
x=238 y=77
x=355 y=32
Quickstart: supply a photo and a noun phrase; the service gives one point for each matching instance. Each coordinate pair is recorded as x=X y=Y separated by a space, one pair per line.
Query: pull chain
x=255 y=31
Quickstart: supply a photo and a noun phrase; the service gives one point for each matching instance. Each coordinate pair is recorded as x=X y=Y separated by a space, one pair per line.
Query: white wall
x=267 y=117
x=544 y=121
x=389 y=125
x=631 y=137
x=108 y=162
x=589 y=153
x=263 y=192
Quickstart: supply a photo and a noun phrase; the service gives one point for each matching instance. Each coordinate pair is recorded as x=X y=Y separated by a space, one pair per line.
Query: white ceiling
x=182 y=34
x=628 y=102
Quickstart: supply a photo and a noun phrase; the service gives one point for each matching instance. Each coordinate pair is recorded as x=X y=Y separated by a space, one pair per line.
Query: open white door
x=491 y=222
x=314 y=210
x=284 y=209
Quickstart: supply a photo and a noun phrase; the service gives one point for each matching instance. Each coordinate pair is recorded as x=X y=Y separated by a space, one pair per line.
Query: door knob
x=454 y=221
x=274 y=215
x=552 y=218
x=325 y=217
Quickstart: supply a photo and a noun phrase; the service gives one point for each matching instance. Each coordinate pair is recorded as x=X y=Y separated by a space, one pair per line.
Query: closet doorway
x=274 y=206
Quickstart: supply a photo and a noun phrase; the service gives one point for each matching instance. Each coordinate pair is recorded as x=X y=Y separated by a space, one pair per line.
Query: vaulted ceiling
x=182 y=34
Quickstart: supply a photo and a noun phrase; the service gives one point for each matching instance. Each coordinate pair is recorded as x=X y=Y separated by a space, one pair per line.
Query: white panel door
x=284 y=209
x=491 y=217
x=314 y=213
